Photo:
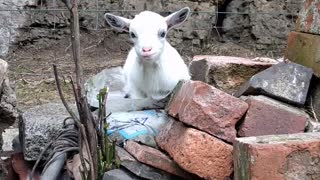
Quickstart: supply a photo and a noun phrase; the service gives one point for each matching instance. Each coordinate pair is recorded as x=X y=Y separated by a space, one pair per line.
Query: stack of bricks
x=304 y=43
x=284 y=156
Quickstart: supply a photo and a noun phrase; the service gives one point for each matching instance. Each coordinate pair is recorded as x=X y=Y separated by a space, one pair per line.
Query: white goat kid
x=153 y=67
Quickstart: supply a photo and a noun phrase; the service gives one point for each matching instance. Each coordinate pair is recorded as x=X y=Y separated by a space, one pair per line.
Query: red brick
x=294 y=156
x=309 y=17
x=141 y=170
x=266 y=116
x=207 y=108
x=303 y=49
x=21 y=167
x=196 y=151
x=154 y=158
x=227 y=73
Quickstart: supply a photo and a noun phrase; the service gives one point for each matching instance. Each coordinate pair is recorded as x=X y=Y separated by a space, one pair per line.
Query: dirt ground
x=31 y=69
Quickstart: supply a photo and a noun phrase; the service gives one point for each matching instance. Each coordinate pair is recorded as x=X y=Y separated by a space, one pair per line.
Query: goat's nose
x=146 y=49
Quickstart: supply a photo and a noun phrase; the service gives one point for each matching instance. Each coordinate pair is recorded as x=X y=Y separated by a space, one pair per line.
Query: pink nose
x=146 y=49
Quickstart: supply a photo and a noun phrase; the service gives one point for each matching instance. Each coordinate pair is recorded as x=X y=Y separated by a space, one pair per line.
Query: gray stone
x=39 y=126
x=118 y=174
x=288 y=82
x=8 y=137
x=226 y=73
x=8 y=111
x=141 y=170
x=3 y=70
x=8 y=104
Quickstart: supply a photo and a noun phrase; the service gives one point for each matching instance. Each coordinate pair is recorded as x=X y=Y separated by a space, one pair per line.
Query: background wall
x=35 y=33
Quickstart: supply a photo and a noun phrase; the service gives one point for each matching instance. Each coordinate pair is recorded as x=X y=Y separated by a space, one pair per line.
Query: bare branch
x=101 y=120
x=312 y=110
x=56 y=76
x=85 y=115
x=79 y=125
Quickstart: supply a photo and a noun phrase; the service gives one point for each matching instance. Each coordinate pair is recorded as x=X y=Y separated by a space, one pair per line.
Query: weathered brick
x=207 y=108
x=285 y=81
x=309 y=17
x=267 y=116
x=140 y=169
x=303 y=49
x=154 y=158
x=277 y=157
x=225 y=72
x=196 y=151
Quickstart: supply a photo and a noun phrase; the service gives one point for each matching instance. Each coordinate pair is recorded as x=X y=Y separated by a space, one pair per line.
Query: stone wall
x=196 y=30
x=10 y=21
x=255 y=30
x=258 y=29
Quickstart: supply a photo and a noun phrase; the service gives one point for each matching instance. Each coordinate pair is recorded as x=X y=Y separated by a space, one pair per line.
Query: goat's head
x=148 y=30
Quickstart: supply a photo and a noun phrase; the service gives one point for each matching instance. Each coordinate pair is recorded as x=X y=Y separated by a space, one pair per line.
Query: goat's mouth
x=147 y=55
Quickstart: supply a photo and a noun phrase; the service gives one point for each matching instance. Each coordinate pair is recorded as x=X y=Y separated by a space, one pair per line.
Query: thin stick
x=38 y=160
x=312 y=110
x=84 y=112
x=85 y=116
x=76 y=97
x=56 y=76
x=102 y=116
x=83 y=132
x=88 y=150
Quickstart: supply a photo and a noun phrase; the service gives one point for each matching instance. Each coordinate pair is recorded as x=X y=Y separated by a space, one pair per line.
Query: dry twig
x=86 y=117
x=76 y=119
x=312 y=110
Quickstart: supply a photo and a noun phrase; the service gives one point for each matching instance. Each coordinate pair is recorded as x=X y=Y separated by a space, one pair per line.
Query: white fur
x=156 y=75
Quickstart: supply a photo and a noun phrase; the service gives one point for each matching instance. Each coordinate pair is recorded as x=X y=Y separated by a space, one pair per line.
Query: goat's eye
x=162 y=34
x=132 y=35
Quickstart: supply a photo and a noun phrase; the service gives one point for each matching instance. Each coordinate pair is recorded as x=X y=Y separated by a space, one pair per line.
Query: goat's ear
x=117 y=22
x=178 y=17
